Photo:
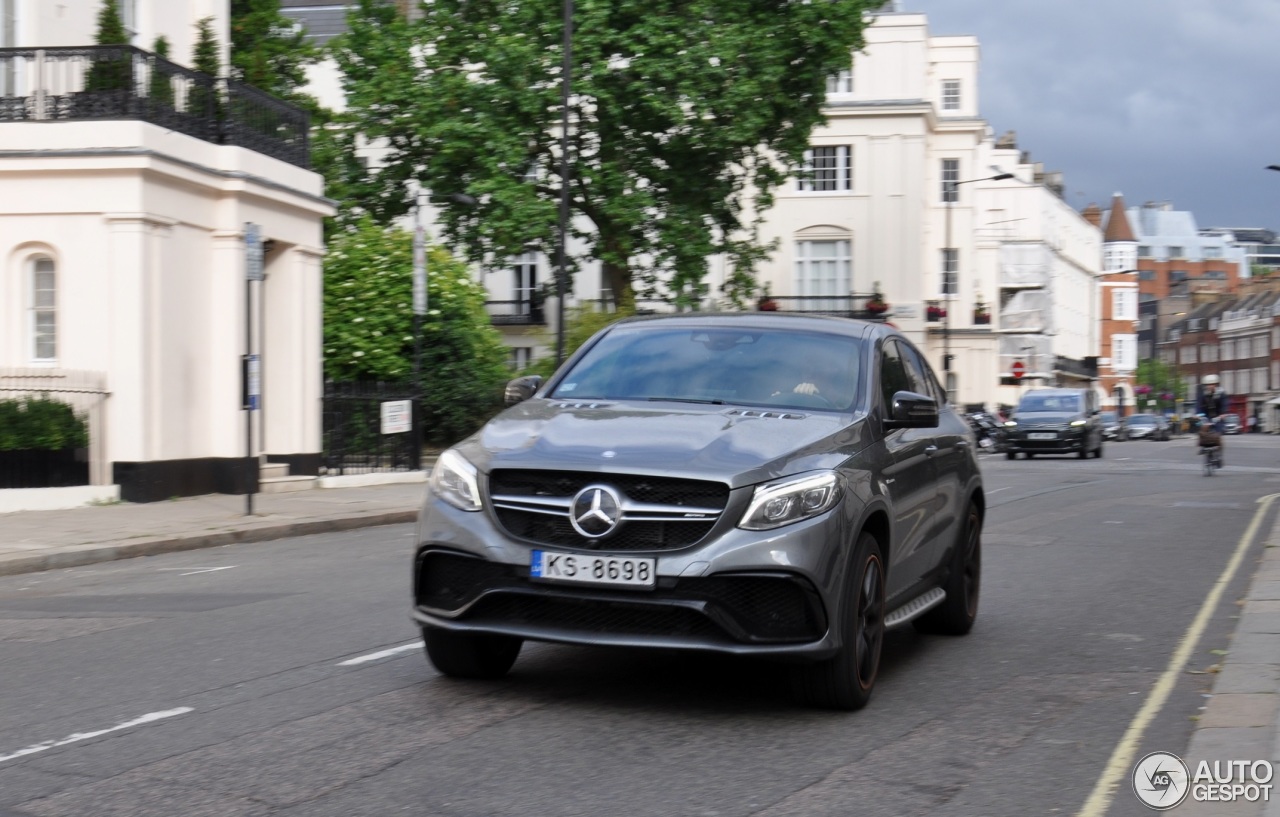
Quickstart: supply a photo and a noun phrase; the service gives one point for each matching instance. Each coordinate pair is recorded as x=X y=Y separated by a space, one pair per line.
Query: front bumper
x=1063 y=442
x=768 y=593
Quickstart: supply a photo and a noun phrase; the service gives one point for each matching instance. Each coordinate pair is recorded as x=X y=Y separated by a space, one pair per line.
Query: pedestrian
x=1253 y=423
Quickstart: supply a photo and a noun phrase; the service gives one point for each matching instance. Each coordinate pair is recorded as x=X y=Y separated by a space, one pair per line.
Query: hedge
x=40 y=423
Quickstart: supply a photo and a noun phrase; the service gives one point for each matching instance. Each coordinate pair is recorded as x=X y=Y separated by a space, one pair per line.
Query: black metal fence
x=123 y=82
x=44 y=469
x=353 y=438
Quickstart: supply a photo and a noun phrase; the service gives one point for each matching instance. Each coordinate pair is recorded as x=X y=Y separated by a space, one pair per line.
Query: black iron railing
x=842 y=306
x=352 y=428
x=44 y=469
x=516 y=313
x=123 y=82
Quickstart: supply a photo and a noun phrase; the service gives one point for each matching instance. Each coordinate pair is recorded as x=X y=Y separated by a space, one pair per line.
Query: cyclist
x=1210 y=406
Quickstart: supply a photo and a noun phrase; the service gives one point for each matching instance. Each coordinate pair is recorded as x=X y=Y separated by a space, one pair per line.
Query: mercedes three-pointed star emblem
x=596 y=511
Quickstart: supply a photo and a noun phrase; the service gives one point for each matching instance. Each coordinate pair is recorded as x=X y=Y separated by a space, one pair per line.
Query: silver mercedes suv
x=771 y=485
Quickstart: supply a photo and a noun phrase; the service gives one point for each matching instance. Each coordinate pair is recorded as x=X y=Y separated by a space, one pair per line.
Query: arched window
x=44 y=309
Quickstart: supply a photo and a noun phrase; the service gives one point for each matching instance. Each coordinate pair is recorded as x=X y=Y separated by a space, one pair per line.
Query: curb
x=80 y=555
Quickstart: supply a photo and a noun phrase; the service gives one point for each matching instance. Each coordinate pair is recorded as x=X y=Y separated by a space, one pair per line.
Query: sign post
x=251 y=371
x=420 y=303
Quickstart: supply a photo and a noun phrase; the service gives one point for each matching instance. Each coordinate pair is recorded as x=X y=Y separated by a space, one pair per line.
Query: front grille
x=513 y=492
x=741 y=609
x=589 y=616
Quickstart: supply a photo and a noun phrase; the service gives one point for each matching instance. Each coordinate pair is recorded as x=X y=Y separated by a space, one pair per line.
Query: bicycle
x=1212 y=458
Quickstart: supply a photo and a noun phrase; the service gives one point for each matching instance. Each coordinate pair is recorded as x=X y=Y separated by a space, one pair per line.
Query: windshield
x=731 y=365
x=1108 y=416
x=1058 y=403
x=1142 y=420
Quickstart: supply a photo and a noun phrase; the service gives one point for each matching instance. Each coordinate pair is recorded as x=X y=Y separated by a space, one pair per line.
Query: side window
x=925 y=381
x=893 y=373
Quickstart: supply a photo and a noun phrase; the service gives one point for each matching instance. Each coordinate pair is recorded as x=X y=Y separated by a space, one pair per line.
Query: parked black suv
x=1055 y=421
x=771 y=485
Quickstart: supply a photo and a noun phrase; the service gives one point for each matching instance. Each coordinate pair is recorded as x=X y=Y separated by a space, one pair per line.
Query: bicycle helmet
x=1210 y=380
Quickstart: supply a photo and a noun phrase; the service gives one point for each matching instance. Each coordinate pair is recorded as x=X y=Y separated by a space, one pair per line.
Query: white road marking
x=374 y=656
x=1122 y=757
x=998 y=490
x=197 y=570
x=79 y=736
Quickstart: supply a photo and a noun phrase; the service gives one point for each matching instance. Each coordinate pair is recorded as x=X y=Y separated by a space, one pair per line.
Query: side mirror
x=521 y=389
x=911 y=410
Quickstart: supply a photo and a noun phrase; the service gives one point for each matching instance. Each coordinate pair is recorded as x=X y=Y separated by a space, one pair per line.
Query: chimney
x=1093 y=215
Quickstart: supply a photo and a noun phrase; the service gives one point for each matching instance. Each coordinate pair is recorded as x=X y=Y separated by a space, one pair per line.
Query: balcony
x=840 y=306
x=516 y=313
x=105 y=82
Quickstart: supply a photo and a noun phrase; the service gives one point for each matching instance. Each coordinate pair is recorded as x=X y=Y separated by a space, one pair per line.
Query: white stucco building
x=122 y=255
x=903 y=125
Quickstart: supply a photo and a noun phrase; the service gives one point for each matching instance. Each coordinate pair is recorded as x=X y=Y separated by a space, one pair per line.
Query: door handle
x=931 y=450
x=962 y=443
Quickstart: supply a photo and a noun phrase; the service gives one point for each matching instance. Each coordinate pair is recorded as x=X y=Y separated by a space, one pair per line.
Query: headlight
x=1010 y=423
x=454 y=480
x=1077 y=423
x=775 y=504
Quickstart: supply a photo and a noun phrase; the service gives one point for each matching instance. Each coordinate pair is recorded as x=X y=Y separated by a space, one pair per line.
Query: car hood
x=1045 y=418
x=731 y=444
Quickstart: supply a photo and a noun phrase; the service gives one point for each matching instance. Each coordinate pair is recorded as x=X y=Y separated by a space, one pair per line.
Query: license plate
x=1042 y=435
x=576 y=568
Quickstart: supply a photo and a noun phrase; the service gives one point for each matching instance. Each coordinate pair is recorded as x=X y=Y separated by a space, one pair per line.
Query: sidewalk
x=40 y=540
x=1241 y=720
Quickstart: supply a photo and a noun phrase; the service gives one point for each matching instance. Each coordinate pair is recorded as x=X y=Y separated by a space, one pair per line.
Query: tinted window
x=1061 y=403
x=733 y=365
x=920 y=372
x=894 y=376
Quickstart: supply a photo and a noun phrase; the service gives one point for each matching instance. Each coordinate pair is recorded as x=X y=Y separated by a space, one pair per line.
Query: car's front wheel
x=846 y=680
x=955 y=616
x=470 y=655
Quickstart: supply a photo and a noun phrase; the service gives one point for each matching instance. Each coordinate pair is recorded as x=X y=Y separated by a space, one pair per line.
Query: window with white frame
x=1187 y=354
x=1259 y=380
x=525 y=281
x=1176 y=252
x=951 y=95
x=520 y=358
x=44 y=309
x=824 y=269
x=950 y=271
x=1275 y=338
x=1260 y=346
x=1225 y=353
x=1206 y=352
x=1124 y=352
x=1229 y=382
x=827 y=168
x=950 y=175
x=840 y=83
x=1124 y=304
x=129 y=16
x=1275 y=374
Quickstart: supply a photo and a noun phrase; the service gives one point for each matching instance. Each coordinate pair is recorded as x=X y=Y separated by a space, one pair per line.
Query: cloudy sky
x=1161 y=100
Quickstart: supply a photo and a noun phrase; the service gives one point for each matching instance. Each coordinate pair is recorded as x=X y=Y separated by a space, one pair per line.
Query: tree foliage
x=160 y=88
x=112 y=73
x=266 y=51
x=686 y=114
x=368 y=327
x=1161 y=378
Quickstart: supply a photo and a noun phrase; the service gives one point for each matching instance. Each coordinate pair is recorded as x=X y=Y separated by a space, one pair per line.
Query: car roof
x=768 y=320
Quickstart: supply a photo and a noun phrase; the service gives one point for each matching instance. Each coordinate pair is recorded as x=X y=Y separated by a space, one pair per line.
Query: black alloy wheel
x=846 y=680
x=955 y=616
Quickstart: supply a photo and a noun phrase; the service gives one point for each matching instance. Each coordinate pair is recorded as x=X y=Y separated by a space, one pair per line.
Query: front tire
x=846 y=680
x=955 y=616
x=470 y=655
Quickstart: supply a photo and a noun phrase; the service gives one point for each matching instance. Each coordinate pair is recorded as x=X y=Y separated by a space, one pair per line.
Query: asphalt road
x=247 y=680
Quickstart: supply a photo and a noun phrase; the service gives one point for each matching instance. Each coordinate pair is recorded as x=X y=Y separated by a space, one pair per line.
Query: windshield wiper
x=686 y=400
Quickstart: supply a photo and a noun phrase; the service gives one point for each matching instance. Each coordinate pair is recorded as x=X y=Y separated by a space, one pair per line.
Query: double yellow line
x=1122 y=758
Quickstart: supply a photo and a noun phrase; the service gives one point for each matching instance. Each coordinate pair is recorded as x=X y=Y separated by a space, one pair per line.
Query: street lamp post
x=951 y=259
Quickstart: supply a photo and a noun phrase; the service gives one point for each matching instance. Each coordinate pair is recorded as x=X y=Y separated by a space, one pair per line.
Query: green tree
x=161 y=86
x=686 y=115
x=266 y=51
x=1162 y=378
x=204 y=58
x=112 y=72
x=368 y=327
x=40 y=423
x=581 y=322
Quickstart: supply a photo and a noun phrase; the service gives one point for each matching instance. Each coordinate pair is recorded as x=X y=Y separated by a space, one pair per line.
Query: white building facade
x=123 y=284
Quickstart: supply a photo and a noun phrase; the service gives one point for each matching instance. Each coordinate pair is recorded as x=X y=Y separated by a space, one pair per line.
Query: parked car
x=1111 y=425
x=765 y=484
x=1231 y=424
x=1148 y=427
x=1055 y=421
